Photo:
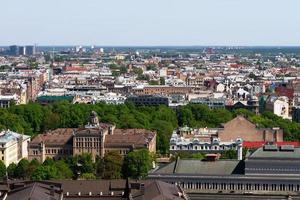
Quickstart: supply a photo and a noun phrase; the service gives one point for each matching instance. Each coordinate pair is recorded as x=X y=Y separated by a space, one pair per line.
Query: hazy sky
x=150 y=22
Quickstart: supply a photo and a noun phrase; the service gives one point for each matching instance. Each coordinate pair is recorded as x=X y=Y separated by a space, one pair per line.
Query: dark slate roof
x=261 y=153
x=158 y=190
x=33 y=191
x=189 y=166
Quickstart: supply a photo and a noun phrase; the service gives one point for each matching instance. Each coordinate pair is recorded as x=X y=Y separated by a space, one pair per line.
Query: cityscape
x=199 y=114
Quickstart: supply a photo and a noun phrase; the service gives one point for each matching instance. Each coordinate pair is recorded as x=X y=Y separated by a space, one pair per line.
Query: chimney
x=52 y=191
x=142 y=188
x=240 y=152
x=239 y=143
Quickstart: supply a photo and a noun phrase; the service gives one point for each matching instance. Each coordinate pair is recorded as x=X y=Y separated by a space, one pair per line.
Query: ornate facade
x=95 y=138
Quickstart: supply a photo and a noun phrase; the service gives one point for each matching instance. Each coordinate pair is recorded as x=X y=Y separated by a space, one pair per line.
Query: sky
x=150 y=22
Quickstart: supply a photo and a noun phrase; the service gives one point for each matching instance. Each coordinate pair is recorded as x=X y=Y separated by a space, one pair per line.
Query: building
x=56 y=144
x=7 y=100
x=162 y=90
x=274 y=160
x=148 y=100
x=13 y=147
x=296 y=114
x=91 y=189
x=250 y=104
x=269 y=170
x=14 y=50
x=95 y=138
x=212 y=103
x=278 y=105
x=30 y=50
x=44 y=100
x=227 y=136
x=22 y=51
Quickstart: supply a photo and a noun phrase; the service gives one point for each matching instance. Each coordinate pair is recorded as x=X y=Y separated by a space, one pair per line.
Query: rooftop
x=276 y=153
x=199 y=167
x=7 y=136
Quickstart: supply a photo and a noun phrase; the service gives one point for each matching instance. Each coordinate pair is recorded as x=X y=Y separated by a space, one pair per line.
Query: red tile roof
x=258 y=144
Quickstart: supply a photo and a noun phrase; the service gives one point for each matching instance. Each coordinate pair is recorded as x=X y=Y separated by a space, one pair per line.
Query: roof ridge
x=32 y=190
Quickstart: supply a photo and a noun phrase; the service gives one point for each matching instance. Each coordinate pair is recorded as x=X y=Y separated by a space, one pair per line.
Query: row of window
x=87 y=139
x=59 y=151
x=200 y=147
x=240 y=186
x=88 y=144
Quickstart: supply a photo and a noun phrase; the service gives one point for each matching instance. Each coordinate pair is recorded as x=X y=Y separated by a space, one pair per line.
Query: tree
x=153 y=82
x=11 y=170
x=2 y=170
x=87 y=176
x=162 y=81
x=22 y=168
x=33 y=165
x=137 y=164
x=63 y=170
x=137 y=71
x=110 y=167
x=45 y=173
x=86 y=161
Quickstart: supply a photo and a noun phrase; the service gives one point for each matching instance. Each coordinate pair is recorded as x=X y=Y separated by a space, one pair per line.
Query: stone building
x=95 y=138
x=243 y=128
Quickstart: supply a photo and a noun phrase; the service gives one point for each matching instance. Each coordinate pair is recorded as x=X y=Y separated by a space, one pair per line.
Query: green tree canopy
x=2 y=170
x=137 y=164
x=110 y=167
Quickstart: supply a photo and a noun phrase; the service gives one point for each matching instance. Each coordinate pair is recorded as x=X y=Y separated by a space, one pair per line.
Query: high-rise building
x=30 y=50
x=22 y=50
x=14 y=50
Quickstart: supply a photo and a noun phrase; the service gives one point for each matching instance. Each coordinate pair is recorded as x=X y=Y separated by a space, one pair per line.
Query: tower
x=239 y=143
x=94 y=121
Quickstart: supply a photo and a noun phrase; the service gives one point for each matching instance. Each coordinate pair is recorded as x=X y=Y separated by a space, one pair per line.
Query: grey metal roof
x=189 y=166
x=275 y=154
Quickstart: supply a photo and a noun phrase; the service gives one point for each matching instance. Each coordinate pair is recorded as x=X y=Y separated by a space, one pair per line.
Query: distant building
x=22 y=50
x=30 y=50
x=13 y=147
x=296 y=114
x=44 y=100
x=228 y=136
x=212 y=103
x=95 y=138
x=148 y=100
x=278 y=105
x=7 y=100
x=250 y=104
x=14 y=50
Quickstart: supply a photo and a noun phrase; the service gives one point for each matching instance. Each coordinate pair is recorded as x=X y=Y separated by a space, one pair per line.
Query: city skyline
x=135 y=23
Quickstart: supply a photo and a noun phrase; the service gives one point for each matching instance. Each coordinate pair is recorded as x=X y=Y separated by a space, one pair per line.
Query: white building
x=281 y=107
x=13 y=147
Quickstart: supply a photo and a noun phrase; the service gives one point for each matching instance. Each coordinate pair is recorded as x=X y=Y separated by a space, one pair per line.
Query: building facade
x=228 y=136
x=95 y=138
x=13 y=147
x=270 y=170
